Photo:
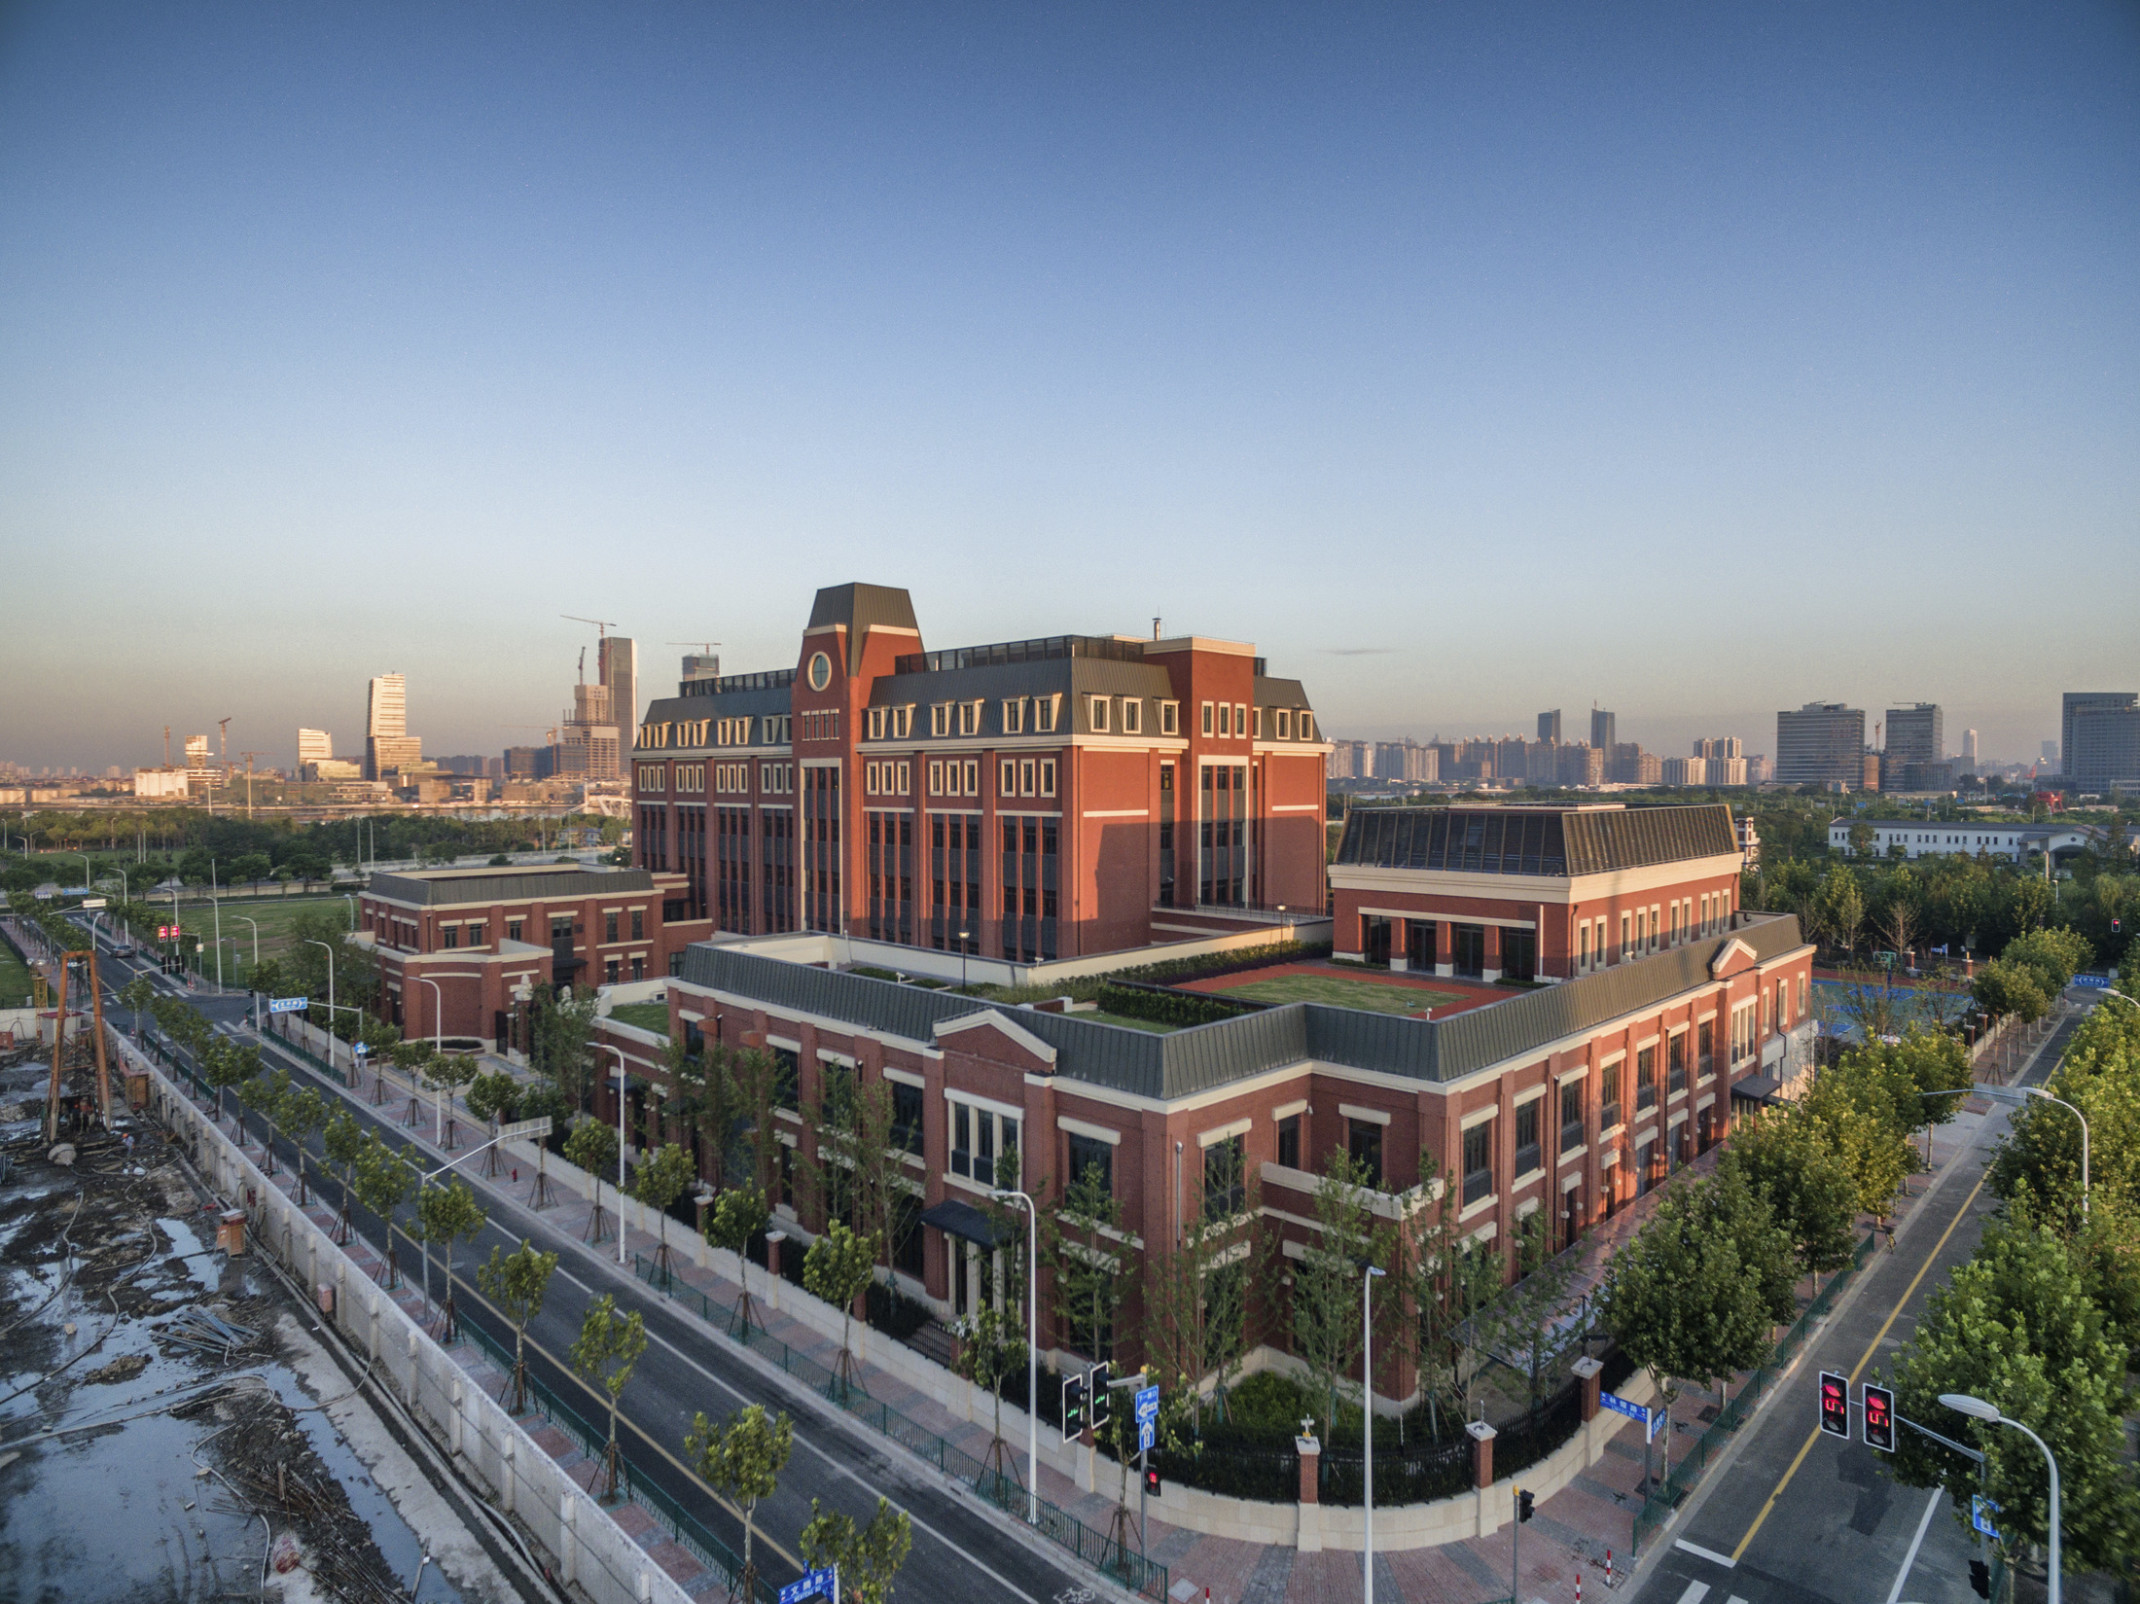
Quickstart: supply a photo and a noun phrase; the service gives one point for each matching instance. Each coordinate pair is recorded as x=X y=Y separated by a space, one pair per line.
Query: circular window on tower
x=820 y=671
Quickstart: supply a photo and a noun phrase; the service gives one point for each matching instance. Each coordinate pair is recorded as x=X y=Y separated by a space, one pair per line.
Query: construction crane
x=600 y=624
x=223 y=724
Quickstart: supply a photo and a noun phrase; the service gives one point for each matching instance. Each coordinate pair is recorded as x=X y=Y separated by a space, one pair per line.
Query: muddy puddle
x=158 y=1436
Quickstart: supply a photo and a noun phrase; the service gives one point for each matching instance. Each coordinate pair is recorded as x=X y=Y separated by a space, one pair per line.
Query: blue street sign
x=1633 y=1411
x=821 y=1583
x=1147 y=1405
x=361 y=1048
x=1981 y=1509
x=288 y=1005
x=2092 y=980
x=1147 y=1434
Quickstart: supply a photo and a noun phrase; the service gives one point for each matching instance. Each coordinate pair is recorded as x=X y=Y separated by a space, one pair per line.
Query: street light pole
x=1367 y=1420
x=607 y=1047
x=1978 y=1409
x=438 y=1046
x=1032 y=1352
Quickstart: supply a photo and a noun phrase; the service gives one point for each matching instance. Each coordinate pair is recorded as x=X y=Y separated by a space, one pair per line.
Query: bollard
x=1608 y=1570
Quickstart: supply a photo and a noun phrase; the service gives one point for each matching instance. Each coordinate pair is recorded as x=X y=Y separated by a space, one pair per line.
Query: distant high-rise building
x=1969 y=751
x=1578 y=763
x=1914 y=734
x=1549 y=726
x=2049 y=749
x=701 y=665
x=1604 y=730
x=2104 y=748
x=1716 y=746
x=618 y=659
x=1686 y=771
x=2072 y=705
x=1823 y=743
x=388 y=745
x=196 y=753
x=314 y=746
x=522 y=761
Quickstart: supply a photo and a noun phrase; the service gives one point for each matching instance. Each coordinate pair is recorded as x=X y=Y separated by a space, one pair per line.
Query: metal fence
x=1685 y=1476
x=1142 y=1576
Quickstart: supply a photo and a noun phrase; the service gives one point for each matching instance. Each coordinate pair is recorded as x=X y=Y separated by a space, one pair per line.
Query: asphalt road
x=1802 y=1518
x=964 y=1552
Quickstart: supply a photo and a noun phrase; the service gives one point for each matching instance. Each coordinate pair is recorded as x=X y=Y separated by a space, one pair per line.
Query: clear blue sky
x=1471 y=360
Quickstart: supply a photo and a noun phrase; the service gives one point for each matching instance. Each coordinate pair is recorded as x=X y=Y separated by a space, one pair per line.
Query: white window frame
x=1282 y=723
x=1170 y=718
x=1046 y=711
x=1208 y=716
x=1047 y=776
x=1096 y=714
x=939 y=718
x=1132 y=716
x=1013 y=715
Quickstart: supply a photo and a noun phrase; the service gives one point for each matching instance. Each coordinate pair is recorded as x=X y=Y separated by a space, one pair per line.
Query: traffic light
x=1073 y=1405
x=1834 y=1404
x=1151 y=1482
x=1879 y=1418
x=1096 y=1387
x=1980 y=1578
x=1523 y=1505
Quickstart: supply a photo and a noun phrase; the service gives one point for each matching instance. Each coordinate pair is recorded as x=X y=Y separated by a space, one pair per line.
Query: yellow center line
x=1863 y=1360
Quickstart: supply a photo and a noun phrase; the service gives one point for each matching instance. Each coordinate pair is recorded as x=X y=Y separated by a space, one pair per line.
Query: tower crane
x=600 y=624
x=223 y=725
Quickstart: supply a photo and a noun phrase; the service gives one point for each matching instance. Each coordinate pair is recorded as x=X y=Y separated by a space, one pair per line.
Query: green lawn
x=274 y=919
x=1340 y=992
x=1102 y=1017
x=652 y=1016
x=14 y=978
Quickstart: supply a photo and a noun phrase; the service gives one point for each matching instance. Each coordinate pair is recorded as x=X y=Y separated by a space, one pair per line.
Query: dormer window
x=1170 y=718
x=1307 y=725
x=939 y=718
x=877 y=722
x=1013 y=715
x=970 y=717
x=1098 y=715
x=903 y=722
x=1045 y=709
x=1132 y=716
x=1282 y=717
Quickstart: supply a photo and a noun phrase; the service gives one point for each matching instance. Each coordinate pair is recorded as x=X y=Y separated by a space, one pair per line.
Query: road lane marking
x=1895 y=1593
x=1865 y=1358
x=741 y=1397
x=1695 y=1593
x=1708 y=1554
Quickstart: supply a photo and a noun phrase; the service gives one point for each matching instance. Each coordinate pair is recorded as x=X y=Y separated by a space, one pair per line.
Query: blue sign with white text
x=823 y=1582
x=288 y=1005
x=1981 y=1509
x=1633 y=1411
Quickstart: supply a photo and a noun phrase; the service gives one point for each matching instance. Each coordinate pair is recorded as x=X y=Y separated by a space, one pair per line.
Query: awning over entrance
x=1760 y=1090
x=967 y=1223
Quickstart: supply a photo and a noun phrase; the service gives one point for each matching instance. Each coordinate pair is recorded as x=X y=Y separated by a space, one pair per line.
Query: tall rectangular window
x=1225 y=1168
x=1090 y=1153
x=1571 y=1116
x=1289 y=1141
x=1528 y=1153
x=1609 y=1096
x=1363 y=1141
x=1479 y=1161
x=1645 y=1079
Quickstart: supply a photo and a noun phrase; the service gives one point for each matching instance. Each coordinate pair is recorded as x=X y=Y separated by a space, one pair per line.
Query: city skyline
x=1272 y=325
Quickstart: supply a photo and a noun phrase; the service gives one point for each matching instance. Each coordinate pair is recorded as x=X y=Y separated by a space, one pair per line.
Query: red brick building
x=1030 y=800
x=1522 y=893
x=1571 y=1098
x=468 y=940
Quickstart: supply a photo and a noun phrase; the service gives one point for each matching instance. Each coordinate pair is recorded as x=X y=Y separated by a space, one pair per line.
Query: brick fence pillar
x=773 y=1239
x=1483 y=1436
x=1308 y=1533
x=1588 y=1370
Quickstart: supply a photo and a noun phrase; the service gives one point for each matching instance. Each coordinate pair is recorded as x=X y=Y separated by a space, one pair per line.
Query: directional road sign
x=288 y=1005
x=1147 y=1405
x=89 y=904
x=1981 y=1510
x=360 y=1048
x=1634 y=1411
x=537 y=1128
x=823 y=1582
x=1147 y=1434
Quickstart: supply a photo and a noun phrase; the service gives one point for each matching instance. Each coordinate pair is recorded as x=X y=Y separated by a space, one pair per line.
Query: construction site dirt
x=176 y=1423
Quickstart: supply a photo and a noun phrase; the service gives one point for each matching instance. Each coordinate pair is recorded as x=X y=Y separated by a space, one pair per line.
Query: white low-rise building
x=1931 y=837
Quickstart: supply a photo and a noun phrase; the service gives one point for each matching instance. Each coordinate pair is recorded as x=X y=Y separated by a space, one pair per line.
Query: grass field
x=652 y=1016
x=1340 y=992
x=274 y=918
x=14 y=978
x=1150 y=1026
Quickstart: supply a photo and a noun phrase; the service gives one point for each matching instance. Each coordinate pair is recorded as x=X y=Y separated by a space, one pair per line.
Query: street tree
x=838 y=1269
x=2003 y=990
x=1084 y=1236
x=1805 y=1181
x=660 y=1181
x=264 y=1095
x=736 y=1221
x=742 y=1461
x=1537 y=1322
x=383 y=1185
x=607 y=1349
x=444 y=1215
x=1325 y=1314
x=868 y=1556
x=516 y=1283
x=1679 y=1301
x=593 y=1147
x=2015 y=1327
x=344 y=1145
x=303 y=1113
x=992 y=1349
